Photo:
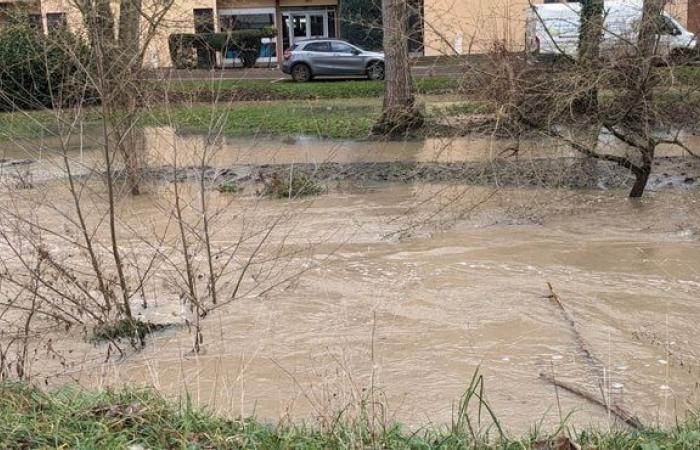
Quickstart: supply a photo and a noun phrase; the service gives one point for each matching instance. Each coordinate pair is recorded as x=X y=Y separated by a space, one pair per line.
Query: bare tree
x=400 y=112
x=590 y=36
x=623 y=95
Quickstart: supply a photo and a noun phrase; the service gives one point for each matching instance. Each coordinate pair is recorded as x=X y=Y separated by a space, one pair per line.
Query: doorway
x=299 y=25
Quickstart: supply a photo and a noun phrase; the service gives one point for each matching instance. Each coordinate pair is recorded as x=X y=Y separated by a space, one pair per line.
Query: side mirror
x=356 y=52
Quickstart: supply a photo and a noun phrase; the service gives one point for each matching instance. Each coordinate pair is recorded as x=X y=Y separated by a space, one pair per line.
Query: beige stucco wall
x=226 y=4
x=475 y=26
x=178 y=19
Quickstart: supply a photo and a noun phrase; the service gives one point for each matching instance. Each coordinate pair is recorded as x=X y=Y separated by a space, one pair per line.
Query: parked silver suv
x=331 y=57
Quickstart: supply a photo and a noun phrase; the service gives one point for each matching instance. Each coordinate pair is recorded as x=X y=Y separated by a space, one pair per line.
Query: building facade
x=477 y=26
x=448 y=26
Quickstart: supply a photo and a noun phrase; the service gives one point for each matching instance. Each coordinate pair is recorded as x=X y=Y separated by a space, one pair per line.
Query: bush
x=38 y=72
x=183 y=46
x=124 y=328
x=228 y=187
x=300 y=185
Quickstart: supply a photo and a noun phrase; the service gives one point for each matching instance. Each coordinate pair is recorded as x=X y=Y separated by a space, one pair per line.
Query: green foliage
x=294 y=186
x=183 y=46
x=228 y=187
x=40 y=72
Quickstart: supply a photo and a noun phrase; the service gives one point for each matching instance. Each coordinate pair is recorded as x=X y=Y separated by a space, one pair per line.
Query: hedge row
x=184 y=46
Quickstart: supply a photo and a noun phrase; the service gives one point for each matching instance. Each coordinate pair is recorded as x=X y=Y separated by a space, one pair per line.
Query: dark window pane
x=317 y=47
x=316 y=25
x=35 y=21
x=299 y=25
x=339 y=47
x=246 y=22
x=331 y=24
x=203 y=20
x=56 y=21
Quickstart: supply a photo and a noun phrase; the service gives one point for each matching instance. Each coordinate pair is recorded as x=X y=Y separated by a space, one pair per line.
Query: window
x=203 y=20
x=35 y=22
x=331 y=24
x=664 y=25
x=339 y=47
x=299 y=26
x=56 y=21
x=317 y=22
x=317 y=47
x=246 y=21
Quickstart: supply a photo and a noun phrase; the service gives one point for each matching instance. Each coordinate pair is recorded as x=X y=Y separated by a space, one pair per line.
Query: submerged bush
x=297 y=185
x=228 y=187
x=124 y=329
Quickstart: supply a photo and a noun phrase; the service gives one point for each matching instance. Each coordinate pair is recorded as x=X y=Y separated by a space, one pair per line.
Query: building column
x=280 y=33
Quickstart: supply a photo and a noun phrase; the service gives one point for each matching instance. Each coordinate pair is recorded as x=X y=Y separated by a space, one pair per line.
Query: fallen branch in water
x=619 y=412
x=594 y=363
x=580 y=341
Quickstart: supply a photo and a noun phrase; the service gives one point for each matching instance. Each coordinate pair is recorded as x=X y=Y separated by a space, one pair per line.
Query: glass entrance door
x=305 y=25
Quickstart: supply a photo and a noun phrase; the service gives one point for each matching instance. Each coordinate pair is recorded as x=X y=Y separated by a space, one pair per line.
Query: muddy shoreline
x=575 y=173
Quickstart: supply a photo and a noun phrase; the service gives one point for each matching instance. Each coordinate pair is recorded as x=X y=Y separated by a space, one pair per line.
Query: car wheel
x=301 y=73
x=375 y=71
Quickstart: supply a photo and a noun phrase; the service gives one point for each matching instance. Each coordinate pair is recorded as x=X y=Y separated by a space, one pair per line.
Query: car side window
x=317 y=47
x=339 y=47
x=664 y=25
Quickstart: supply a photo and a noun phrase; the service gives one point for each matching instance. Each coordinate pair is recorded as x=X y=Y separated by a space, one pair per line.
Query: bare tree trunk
x=400 y=114
x=590 y=37
x=642 y=90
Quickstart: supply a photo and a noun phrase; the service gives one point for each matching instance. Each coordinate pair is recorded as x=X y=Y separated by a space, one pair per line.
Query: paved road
x=273 y=74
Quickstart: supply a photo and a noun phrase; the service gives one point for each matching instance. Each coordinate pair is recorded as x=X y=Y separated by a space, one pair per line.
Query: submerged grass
x=68 y=418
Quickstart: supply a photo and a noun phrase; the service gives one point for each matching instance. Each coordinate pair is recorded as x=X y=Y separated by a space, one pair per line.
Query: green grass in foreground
x=142 y=419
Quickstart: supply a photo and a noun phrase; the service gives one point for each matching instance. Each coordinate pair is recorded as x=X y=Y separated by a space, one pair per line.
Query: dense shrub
x=39 y=72
x=246 y=43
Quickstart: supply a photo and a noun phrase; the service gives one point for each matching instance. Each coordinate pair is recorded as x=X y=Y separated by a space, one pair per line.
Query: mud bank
x=575 y=173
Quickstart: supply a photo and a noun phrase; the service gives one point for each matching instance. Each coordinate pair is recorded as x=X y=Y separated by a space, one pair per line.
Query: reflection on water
x=163 y=146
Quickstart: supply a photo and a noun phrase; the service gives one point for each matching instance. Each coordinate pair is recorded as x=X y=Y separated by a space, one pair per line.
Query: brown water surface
x=414 y=287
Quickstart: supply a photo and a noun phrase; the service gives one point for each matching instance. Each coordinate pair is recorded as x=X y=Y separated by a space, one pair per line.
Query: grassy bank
x=144 y=420
x=241 y=90
x=338 y=120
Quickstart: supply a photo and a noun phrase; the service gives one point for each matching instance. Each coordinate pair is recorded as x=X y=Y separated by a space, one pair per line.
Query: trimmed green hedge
x=183 y=46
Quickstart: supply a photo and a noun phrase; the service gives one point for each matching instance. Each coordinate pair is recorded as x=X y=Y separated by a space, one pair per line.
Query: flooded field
x=400 y=292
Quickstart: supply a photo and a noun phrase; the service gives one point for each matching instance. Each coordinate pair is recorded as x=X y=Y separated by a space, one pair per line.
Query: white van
x=553 y=29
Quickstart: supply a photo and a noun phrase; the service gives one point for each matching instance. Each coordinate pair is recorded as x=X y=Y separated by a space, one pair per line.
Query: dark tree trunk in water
x=642 y=89
x=590 y=37
x=640 y=183
x=400 y=114
x=641 y=174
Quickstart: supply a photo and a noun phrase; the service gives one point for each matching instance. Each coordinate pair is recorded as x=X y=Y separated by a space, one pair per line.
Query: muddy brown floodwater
x=412 y=298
